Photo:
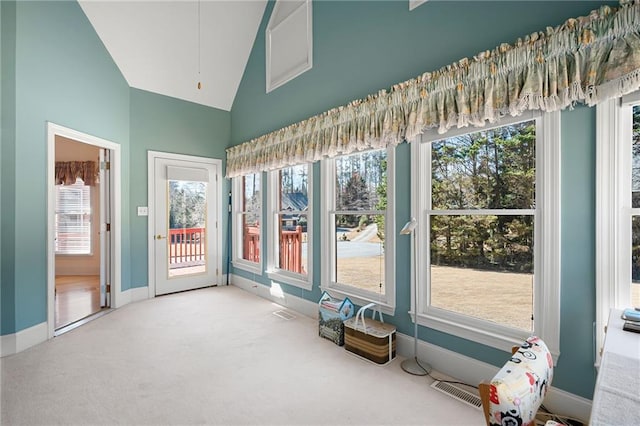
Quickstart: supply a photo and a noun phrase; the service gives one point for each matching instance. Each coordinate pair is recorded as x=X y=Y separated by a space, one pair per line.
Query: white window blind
x=73 y=219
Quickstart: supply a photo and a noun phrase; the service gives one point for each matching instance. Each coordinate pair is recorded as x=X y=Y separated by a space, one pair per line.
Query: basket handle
x=360 y=315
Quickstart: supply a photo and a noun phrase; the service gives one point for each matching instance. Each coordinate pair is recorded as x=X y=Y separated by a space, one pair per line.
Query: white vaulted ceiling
x=167 y=47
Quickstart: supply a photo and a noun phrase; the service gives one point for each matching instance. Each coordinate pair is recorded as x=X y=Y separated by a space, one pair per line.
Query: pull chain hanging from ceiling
x=199 y=50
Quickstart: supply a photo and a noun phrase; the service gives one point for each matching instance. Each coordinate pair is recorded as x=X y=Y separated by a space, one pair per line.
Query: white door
x=185 y=223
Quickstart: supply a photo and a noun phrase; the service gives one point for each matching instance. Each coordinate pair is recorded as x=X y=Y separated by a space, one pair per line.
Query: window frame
x=238 y=197
x=614 y=124
x=304 y=281
x=546 y=255
x=89 y=197
x=387 y=302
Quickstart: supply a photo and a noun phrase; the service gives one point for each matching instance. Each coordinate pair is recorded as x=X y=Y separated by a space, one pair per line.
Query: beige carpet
x=213 y=356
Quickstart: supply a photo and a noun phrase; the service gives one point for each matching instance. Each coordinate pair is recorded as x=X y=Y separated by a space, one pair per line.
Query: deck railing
x=290 y=248
x=186 y=246
x=251 y=244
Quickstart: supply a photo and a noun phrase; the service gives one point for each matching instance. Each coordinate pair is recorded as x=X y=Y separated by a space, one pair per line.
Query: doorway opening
x=81 y=217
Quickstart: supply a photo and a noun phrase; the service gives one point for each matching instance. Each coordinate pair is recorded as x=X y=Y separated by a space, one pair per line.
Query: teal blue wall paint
x=578 y=251
x=160 y=123
x=7 y=165
x=363 y=46
x=63 y=74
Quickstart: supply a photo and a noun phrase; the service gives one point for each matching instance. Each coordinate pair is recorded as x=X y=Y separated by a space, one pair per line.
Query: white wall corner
x=24 y=339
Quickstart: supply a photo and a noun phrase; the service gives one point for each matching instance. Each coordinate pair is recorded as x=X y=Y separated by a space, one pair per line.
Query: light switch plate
x=143 y=211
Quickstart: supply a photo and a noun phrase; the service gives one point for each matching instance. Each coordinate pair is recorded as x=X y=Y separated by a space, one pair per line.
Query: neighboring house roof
x=295 y=201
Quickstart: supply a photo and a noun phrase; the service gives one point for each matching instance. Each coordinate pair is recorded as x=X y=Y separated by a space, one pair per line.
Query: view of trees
x=252 y=199
x=360 y=184
x=487 y=170
x=187 y=208
x=635 y=196
x=294 y=179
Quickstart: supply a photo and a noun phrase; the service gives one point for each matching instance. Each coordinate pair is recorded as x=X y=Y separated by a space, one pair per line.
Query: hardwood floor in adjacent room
x=77 y=296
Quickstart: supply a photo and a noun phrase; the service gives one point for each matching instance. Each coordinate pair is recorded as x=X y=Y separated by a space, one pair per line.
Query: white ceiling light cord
x=199 y=50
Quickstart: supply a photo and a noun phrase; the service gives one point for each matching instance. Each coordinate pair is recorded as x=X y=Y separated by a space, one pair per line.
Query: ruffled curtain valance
x=587 y=59
x=68 y=171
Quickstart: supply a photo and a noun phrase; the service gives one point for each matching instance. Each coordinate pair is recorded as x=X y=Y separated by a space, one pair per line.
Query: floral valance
x=68 y=171
x=587 y=59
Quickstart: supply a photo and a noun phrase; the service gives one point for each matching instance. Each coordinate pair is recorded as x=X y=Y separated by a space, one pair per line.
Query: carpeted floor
x=212 y=356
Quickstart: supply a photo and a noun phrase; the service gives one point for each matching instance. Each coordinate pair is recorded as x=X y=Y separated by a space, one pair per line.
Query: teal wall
x=62 y=74
x=160 y=123
x=7 y=163
x=361 y=47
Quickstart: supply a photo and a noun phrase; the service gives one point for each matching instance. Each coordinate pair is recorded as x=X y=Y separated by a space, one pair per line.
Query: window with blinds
x=73 y=219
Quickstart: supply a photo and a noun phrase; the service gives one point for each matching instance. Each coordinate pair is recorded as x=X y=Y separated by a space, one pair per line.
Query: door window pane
x=186 y=236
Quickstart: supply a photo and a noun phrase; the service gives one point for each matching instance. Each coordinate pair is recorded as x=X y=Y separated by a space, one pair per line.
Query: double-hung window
x=358 y=229
x=617 y=208
x=487 y=204
x=247 y=195
x=289 y=222
x=73 y=219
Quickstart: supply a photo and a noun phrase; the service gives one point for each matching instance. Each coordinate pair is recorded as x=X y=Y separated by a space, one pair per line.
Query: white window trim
x=238 y=261
x=547 y=229
x=614 y=120
x=388 y=302
x=304 y=281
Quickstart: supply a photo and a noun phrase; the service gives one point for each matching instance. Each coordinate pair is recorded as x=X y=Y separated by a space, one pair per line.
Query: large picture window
x=358 y=237
x=73 y=219
x=248 y=215
x=290 y=233
x=484 y=201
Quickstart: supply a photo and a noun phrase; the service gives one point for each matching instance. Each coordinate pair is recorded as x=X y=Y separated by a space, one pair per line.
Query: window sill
x=254 y=268
x=285 y=278
x=492 y=336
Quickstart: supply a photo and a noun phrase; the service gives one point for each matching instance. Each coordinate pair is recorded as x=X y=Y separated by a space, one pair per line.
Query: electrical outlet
x=143 y=211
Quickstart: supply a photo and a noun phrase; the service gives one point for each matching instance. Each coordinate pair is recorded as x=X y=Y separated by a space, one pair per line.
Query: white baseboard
x=139 y=293
x=24 y=339
x=132 y=295
x=473 y=372
x=274 y=294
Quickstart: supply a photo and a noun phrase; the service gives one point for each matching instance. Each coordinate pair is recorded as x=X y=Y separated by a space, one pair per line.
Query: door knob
x=159 y=237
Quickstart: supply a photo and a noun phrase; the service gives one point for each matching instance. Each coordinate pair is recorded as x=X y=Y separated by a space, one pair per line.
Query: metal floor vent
x=457 y=393
x=284 y=315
